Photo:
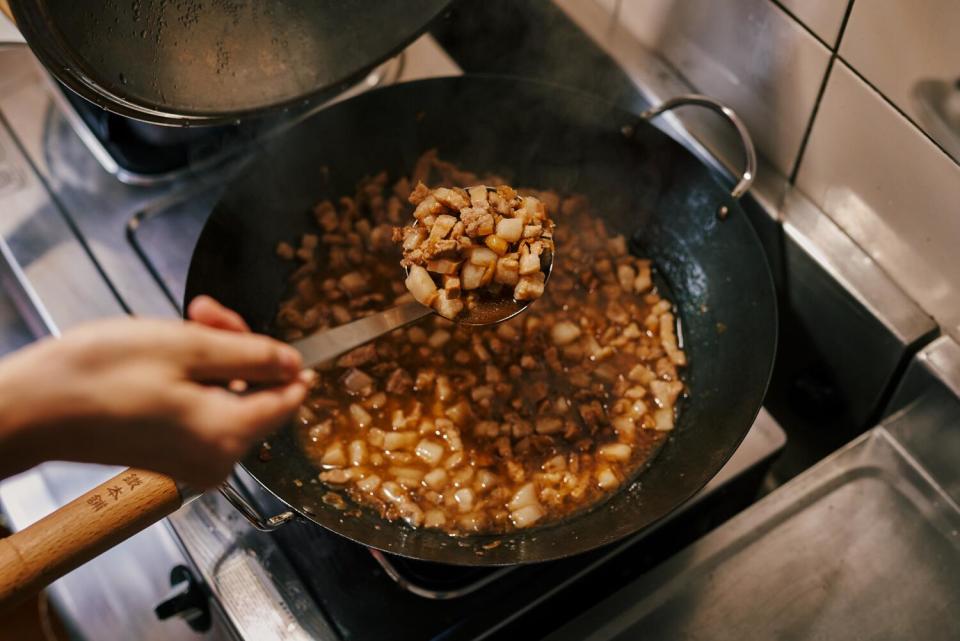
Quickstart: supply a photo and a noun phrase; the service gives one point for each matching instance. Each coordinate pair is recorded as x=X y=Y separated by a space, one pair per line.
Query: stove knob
x=187 y=600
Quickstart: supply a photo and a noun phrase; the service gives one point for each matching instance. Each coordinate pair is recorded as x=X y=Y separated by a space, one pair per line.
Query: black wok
x=649 y=188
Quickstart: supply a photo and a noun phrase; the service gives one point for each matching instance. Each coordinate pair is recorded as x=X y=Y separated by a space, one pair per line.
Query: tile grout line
x=803 y=25
x=792 y=179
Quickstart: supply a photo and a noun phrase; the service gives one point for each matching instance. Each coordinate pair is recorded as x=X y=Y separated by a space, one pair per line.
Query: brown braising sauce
x=490 y=429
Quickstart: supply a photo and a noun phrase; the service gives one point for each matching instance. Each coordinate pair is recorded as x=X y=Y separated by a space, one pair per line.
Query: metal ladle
x=326 y=345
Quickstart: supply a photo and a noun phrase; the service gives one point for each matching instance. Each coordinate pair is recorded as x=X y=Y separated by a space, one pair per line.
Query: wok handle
x=257 y=520
x=749 y=152
x=82 y=529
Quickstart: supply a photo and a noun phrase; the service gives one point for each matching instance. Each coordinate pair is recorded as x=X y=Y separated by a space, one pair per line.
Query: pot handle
x=257 y=520
x=749 y=152
x=84 y=528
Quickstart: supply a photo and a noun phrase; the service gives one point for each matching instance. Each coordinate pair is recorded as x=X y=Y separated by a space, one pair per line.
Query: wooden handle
x=5 y=8
x=82 y=529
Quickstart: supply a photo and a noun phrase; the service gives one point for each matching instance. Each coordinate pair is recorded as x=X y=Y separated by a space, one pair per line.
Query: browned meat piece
x=446 y=248
x=400 y=382
x=360 y=356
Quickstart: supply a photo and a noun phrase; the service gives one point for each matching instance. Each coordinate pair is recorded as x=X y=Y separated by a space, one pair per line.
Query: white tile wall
x=910 y=51
x=748 y=53
x=823 y=17
x=892 y=190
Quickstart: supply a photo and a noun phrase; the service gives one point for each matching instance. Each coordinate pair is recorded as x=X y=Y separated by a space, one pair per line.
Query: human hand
x=147 y=393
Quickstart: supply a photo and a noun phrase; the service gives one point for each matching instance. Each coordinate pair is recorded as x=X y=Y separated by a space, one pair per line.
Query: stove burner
x=434 y=580
x=139 y=153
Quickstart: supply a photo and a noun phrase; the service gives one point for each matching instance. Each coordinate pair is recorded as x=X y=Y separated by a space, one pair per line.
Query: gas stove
x=97 y=222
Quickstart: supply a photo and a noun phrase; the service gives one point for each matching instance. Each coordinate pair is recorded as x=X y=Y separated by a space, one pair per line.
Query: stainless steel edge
x=942 y=358
x=55 y=274
x=657 y=82
x=852 y=268
x=249 y=512
x=250 y=580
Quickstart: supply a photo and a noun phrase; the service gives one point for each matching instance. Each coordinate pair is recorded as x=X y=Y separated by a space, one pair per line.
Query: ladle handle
x=749 y=152
x=80 y=530
x=326 y=345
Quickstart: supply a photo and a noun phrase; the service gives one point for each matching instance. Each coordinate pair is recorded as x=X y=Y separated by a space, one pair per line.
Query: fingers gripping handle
x=82 y=529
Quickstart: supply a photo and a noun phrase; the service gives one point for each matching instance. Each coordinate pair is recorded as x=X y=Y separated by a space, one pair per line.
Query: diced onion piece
x=508 y=271
x=614 y=452
x=464 y=499
x=529 y=287
x=625 y=426
x=527 y=515
x=471 y=276
x=357 y=451
x=607 y=478
x=443 y=388
x=666 y=392
x=375 y=437
x=637 y=409
x=411 y=513
x=359 y=415
x=532 y=231
x=337 y=476
x=529 y=263
x=549 y=425
x=421 y=285
x=478 y=195
x=408 y=477
x=635 y=392
x=643 y=282
x=617 y=245
x=434 y=518
x=626 y=275
x=483 y=257
x=564 y=333
x=334 y=455
x=413 y=237
x=447 y=306
x=435 y=479
x=438 y=338
x=510 y=229
x=429 y=451
x=641 y=374
x=459 y=413
x=497 y=244
x=526 y=495
x=428 y=207
x=556 y=464
x=399 y=440
x=534 y=208
x=368 y=483
x=392 y=492
x=663 y=418
x=484 y=480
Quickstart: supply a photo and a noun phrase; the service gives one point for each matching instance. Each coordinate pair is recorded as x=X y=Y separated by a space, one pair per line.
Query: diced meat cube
x=529 y=287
